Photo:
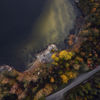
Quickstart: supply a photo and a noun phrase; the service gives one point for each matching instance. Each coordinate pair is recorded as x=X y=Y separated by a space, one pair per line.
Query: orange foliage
x=52 y=80
x=93 y=10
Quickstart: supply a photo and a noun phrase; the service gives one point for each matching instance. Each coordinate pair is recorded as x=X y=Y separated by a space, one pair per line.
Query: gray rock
x=45 y=56
x=5 y=68
x=76 y=1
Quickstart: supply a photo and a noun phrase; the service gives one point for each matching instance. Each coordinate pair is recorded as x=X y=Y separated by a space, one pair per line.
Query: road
x=59 y=95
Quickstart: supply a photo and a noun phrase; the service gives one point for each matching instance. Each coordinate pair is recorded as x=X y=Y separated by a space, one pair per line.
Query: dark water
x=26 y=26
x=16 y=20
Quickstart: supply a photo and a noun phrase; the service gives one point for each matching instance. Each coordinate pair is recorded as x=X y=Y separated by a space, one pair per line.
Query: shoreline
x=60 y=46
x=63 y=45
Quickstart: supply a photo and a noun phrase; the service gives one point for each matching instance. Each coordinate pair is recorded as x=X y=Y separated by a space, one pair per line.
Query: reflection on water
x=52 y=26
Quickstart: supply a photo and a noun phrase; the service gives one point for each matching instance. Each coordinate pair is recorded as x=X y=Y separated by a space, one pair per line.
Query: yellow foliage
x=71 y=74
x=54 y=57
x=65 y=55
x=70 y=53
x=64 y=78
x=54 y=63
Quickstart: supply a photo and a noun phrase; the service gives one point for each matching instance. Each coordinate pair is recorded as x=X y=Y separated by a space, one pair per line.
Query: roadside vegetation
x=89 y=90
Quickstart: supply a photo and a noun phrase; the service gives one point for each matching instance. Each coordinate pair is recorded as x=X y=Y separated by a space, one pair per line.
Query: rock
x=45 y=56
x=76 y=1
x=5 y=68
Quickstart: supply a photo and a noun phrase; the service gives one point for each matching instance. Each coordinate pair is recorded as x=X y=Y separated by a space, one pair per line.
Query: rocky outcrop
x=76 y=1
x=5 y=68
x=45 y=56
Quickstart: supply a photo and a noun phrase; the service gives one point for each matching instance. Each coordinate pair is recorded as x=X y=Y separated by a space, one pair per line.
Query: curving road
x=59 y=95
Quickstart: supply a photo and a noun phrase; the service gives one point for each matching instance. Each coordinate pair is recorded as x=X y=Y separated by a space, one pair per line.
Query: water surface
x=30 y=25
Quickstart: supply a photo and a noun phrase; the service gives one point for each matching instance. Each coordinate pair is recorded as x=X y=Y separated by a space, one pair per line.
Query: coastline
x=63 y=45
x=75 y=30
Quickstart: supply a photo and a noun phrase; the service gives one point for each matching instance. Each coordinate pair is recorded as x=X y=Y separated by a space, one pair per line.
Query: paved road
x=59 y=95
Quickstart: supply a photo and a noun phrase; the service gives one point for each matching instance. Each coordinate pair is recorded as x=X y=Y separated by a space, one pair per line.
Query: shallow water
x=31 y=25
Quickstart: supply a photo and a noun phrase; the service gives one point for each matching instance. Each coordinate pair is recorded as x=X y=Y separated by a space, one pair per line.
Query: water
x=30 y=25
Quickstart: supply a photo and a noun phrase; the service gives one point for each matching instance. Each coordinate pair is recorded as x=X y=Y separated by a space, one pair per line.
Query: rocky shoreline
x=73 y=33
